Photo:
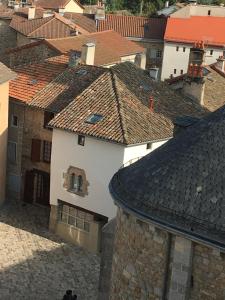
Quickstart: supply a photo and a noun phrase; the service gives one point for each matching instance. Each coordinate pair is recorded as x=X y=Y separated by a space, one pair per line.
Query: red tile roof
x=32 y=78
x=189 y=30
x=110 y=46
x=55 y=4
x=51 y=27
x=84 y=21
x=131 y=26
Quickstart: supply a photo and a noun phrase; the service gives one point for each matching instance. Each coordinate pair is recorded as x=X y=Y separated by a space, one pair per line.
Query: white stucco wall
x=72 y=6
x=178 y=60
x=199 y=10
x=99 y=159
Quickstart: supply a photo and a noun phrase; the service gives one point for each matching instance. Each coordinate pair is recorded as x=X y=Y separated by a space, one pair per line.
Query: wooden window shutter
x=36 y=150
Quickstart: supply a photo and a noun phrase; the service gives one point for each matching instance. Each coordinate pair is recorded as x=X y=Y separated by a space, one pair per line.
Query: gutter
x=174 y=229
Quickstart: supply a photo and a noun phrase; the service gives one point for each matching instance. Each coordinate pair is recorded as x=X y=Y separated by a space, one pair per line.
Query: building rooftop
x=32 y=78
x=132 y=26
x=55 y=4
x=214 y=96
x=6 y=74
x=181 y=185
x=84 y=21
x=121 y=95
x=190 y=30
x=53 y=26
x=110 y=46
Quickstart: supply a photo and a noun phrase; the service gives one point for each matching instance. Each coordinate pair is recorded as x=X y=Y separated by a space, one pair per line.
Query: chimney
x=220 y=64
x=140 y=60
x=88 y=54
x=151 y=104
x=194 y=84
x=31 y=13
x=166 y=4
x=74 y=59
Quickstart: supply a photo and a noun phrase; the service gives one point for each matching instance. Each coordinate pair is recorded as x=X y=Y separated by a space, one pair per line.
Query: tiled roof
x=121 y=96
x=32 y=78
x=6 y=74
x=214 y=95
x=50 y=27
x=84 y=21
x=54 y=4
x=131 y=26
x=6 y=13
x=208 y=29
x=110 y=46
x=181 y=184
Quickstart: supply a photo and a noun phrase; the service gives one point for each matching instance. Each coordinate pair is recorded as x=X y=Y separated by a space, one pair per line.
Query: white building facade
x=176 y=58
x=80 y=217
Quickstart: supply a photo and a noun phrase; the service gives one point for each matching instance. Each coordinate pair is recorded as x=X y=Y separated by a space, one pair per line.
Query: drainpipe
x=166 y=276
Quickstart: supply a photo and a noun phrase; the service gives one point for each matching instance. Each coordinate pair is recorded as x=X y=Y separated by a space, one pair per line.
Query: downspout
x=167 y=269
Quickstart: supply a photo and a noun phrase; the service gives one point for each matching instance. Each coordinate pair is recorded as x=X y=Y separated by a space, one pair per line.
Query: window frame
x=211 y=52
x=79 y=173
x=81 y=140
x=12 y=123
x=47 y=151
x=177 y=48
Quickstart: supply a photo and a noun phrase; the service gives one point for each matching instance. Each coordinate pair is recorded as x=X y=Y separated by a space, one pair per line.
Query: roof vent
x=82 y=72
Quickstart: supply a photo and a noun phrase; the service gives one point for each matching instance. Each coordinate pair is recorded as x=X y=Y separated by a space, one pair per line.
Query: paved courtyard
x=36 y=264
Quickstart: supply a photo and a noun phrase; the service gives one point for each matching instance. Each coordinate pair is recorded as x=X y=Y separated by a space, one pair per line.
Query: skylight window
x=94 y=118
x=81 y=72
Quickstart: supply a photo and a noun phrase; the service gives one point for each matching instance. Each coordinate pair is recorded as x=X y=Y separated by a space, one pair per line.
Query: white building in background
x=181 y=35
x=120 y=117
x=199 y=10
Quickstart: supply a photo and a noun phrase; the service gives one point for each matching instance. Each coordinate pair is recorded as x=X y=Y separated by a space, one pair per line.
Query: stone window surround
x=67 y=181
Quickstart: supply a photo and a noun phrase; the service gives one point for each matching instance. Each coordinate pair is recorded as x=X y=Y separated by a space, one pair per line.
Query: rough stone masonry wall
x=208 y=274
x=139 y=261
x=7 y=39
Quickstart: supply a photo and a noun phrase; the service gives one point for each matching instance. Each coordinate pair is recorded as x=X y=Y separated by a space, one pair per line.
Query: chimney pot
x=151 y=104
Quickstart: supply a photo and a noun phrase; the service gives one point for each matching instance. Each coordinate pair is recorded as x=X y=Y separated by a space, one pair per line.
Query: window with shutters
x=36 y=150
x=47 y=148
x=75 y=181
x=48 y=116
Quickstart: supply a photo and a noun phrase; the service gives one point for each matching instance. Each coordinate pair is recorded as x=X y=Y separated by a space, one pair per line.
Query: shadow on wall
x=3 y=163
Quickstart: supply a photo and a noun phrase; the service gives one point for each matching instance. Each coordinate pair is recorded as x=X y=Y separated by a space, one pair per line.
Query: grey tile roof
x=181 y=184
x=6 y=74
x=121 y=94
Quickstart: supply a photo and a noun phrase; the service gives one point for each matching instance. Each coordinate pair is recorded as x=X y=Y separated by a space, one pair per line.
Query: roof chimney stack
x=151 y=104
x=140 y=60
x=31 y=13
x=88 y=54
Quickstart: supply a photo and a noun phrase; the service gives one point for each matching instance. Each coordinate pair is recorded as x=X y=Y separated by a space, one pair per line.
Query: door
x=37 y=187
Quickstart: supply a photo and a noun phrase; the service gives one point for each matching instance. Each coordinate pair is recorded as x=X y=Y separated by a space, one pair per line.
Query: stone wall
x=7 y=39
x=27 y=55
x=139 y=261
x=208 y=274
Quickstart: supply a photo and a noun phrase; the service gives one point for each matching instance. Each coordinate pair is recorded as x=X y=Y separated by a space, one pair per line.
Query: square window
x=149 y=146
x=174 y=71
x=14 y=122
x=177 y=48
x=81 y=140
x=79 y=223
x=71 y=220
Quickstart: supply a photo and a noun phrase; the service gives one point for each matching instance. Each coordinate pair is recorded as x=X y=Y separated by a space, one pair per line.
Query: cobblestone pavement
x=35 y=264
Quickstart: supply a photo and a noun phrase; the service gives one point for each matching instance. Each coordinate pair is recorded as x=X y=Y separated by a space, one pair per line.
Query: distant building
x=180 y=36
x=169 y=241
x=60 y=6
x=5 y=76
x=199 y=10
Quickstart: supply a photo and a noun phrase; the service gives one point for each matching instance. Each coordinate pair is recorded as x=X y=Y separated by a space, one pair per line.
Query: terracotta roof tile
x=32 y=78
x=121 y=96
x=84 y=21
x=207 y=29
x=131 y=26
x=110 y=46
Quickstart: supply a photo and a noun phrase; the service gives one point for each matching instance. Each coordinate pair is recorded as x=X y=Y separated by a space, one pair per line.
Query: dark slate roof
x=181 y=184
x=6 y=74
x=121 y=95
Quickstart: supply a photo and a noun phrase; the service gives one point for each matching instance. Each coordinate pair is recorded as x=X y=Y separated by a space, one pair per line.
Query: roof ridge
x=115 y=78
x=50 y=19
